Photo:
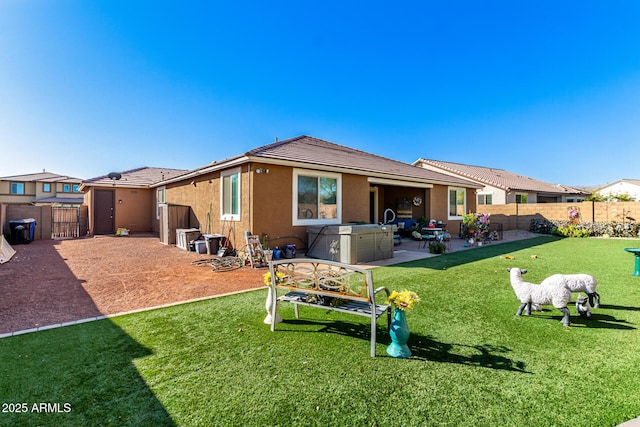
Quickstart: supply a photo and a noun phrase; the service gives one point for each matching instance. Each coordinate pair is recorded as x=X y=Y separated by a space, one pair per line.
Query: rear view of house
x=278 y=190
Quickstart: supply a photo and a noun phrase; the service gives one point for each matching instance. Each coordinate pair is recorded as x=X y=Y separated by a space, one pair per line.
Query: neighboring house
x=44 y=188
x=280 y=189
x=124 y=200
x=621 y=186
x=503 y=187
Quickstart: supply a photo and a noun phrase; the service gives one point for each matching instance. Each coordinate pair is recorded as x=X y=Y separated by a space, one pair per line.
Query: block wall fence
x=519 y=216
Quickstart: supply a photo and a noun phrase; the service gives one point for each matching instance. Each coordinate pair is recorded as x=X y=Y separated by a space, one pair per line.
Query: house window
x=17 y=188
x=160 y=198
x=485 y=199
x=46 y=187
x=457 y=203
x=76 y=188
x=66 y=188
x=317 y=198
x=521 y=198
x=230 y=195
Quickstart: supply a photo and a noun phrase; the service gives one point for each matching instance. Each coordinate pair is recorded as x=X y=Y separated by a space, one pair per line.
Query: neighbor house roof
x=500 y=178
x=136 y=178
x=64 y=200
x=314 y=153
x=41 y=177
x=626 y=181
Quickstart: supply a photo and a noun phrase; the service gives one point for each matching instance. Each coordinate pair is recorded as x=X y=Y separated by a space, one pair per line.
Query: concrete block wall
x=519 y=216
x=42 y=215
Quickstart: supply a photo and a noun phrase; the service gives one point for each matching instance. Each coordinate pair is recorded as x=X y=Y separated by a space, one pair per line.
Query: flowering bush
x=403 y=300
x=475 y=222
x=267 y=277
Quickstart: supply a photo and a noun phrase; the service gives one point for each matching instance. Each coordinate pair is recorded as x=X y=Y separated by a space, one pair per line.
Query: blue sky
x=546 y=89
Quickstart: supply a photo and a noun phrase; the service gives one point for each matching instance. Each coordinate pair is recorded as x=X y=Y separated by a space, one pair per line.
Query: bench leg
x=373 y=335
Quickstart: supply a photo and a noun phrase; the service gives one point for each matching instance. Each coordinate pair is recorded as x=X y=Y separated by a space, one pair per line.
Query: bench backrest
x=322 y=278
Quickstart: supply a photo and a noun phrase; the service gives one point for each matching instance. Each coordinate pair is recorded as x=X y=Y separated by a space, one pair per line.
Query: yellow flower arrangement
x=267 y=277
x=403 y=300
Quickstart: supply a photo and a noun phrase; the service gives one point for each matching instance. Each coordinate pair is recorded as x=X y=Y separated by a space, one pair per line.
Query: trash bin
x=22 y=230
x=213 y=243
x=290 y=251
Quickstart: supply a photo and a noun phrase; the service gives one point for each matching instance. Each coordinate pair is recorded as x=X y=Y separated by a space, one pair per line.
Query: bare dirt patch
x=49 y=282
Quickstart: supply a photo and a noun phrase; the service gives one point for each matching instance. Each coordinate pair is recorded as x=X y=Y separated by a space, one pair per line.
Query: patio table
x=430 y=234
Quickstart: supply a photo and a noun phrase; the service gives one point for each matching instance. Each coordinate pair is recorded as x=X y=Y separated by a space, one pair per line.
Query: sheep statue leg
x=597 y=299
x=565 y=318
x=522 y=306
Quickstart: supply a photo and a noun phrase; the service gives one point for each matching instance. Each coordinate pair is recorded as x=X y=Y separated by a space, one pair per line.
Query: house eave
x=85 y=186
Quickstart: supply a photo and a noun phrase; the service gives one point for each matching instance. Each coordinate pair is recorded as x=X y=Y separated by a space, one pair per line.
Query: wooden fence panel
x=66 y=222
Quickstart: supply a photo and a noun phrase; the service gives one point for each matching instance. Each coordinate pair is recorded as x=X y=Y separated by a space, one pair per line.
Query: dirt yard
x=50 y=282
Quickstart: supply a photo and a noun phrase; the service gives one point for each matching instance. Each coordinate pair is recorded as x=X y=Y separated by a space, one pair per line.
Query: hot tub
x=351 y=243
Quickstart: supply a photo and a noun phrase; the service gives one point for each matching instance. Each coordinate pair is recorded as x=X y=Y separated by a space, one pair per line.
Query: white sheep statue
x=577 y=283
x=530 y=293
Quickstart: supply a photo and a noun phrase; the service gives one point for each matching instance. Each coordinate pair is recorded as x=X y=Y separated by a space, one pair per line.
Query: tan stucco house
x=500 y=187
x=44 y=188
x=124 y=199
x=278 y=190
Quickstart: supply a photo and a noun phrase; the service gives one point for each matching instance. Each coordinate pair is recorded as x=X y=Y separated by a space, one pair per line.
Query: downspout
x=249 y=201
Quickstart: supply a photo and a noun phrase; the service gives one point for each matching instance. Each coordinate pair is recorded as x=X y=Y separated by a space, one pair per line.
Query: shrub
x=586 y=229
x=437 y=247
x=572 y=230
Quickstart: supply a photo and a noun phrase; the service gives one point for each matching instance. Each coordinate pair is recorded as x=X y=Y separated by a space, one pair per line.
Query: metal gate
x=66 y=222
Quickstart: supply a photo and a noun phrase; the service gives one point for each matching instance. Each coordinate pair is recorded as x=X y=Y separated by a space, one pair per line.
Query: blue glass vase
x=399 y=331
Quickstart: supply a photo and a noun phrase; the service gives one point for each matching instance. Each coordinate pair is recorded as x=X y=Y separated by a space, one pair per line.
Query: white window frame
x=294 y=198
x=231 y=216
x=484 y=195
x=161 y=197
x=464 y=206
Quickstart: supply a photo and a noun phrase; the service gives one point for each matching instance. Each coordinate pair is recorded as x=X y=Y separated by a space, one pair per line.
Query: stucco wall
x=202 y=195
x=355 y=199
x=271 y=212
x=134 y=209
x=621 y=188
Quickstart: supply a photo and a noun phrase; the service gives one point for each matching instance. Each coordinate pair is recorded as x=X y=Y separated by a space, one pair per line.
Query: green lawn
x=475 y=364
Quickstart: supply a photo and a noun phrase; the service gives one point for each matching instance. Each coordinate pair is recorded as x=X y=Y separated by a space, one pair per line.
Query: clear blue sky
x=547 y=89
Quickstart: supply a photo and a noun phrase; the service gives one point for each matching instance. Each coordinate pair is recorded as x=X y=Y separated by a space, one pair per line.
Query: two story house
x=41 y=188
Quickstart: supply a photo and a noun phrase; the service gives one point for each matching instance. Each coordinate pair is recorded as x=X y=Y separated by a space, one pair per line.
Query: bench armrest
x=380 y=289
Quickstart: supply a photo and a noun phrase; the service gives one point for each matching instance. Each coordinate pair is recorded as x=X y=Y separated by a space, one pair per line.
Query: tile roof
x=41 y=177
x=315 y=153
x=620 y=181
x=140 y=178
x=67 y=200
x=500 y=178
